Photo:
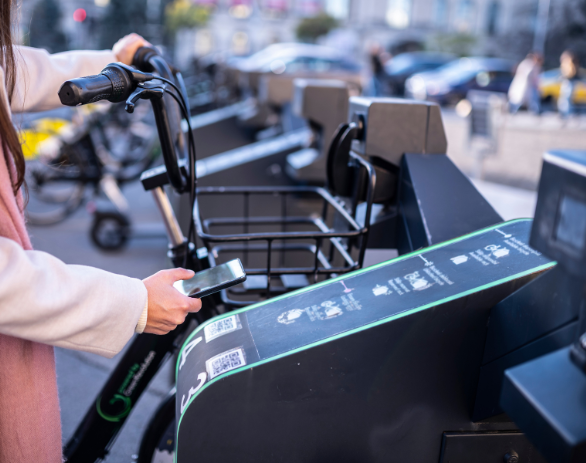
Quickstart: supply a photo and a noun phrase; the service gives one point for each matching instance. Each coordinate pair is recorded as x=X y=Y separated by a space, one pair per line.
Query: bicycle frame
x=139 y=364
x=147 y=353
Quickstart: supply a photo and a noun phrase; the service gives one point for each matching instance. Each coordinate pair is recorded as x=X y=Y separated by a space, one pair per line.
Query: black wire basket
x=309 y=235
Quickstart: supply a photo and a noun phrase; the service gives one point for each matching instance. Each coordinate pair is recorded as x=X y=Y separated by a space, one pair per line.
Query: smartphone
x=212 y=280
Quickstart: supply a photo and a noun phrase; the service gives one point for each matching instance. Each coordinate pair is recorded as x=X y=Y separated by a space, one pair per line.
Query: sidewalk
x=522 y=139
x=511 y=203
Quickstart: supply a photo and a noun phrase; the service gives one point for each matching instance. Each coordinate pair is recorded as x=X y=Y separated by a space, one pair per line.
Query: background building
x=505 y=28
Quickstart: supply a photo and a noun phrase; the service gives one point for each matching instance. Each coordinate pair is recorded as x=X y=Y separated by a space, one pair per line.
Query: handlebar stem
x=174 y=232
x=156 y=97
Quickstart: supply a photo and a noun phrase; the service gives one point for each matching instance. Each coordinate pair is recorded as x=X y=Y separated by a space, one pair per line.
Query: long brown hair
x=9 y=138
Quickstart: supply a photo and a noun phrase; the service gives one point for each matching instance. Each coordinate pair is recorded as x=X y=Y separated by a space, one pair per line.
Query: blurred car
x=290 y=58
x=450 y=83
x=403 y=66
x=267 y=77
x=288 y=61
x=550 y=83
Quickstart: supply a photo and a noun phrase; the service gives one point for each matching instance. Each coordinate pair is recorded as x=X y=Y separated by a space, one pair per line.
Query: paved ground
x=80 y=376
x=521 y=140
x=509 y=202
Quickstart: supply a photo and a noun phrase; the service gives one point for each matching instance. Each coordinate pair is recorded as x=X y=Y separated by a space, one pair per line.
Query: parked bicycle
x=71 y=163
x=333 y=240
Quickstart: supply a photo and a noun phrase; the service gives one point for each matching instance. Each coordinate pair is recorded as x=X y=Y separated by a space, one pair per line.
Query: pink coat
x=73 y=306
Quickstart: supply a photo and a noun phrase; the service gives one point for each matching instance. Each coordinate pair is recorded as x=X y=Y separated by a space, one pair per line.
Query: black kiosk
x=395 y=362
x=546 y=396
x=378 y=365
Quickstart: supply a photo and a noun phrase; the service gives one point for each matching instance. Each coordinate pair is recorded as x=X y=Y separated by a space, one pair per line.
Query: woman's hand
x=126 y=47
x=167 y=307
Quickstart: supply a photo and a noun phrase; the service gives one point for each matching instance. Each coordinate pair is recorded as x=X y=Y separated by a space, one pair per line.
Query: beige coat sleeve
x=72 y=306
x=40 y=75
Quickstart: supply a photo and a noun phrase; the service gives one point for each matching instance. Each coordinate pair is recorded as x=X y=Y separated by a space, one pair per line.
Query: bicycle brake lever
x=143 y=93
x=136 y=75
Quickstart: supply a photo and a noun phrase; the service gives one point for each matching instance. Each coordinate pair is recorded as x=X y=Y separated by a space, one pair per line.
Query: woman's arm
x=72 y=306
x=40 y=75
x=83 y=308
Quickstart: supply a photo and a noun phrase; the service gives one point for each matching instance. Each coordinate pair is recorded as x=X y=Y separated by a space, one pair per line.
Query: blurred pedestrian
x=569 y=69
x=524 y=89
x=43 y=301
x=378 y=58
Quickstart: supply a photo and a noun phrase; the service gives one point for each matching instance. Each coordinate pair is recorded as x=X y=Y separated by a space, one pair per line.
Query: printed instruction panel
x=422 y=279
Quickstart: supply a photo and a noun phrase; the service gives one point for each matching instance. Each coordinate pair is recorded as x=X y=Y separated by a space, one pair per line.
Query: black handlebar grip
x=141 y=58
x=85 y=90
x=112 y=84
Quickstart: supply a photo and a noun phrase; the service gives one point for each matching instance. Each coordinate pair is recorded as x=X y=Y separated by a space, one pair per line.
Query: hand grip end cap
x=69 y=94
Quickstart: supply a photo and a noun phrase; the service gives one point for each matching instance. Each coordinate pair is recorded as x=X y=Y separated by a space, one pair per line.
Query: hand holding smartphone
x=212 y=280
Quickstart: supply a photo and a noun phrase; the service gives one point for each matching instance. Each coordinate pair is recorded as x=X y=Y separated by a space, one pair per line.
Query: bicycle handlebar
x=142 y=57
x=112 y=84
x=115 y=83
x=147 y=59
x=119 y=82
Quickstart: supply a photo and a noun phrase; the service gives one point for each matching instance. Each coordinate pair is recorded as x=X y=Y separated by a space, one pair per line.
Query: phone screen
x=213 y=279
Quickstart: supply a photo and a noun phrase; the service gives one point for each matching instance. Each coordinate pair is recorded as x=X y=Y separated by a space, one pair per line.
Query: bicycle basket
x=308 y=234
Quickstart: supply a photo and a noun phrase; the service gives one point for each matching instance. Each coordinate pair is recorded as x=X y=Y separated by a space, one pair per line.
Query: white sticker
x=221 y=327
x=331 y=309
x=225 y=361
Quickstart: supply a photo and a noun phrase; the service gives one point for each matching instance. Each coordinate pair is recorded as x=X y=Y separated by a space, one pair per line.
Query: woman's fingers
x=194 y=305
x=180 y=274
x=126 y=47
x=167 y=307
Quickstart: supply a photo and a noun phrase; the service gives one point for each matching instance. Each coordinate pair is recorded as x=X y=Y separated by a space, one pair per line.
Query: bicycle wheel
x=158 y=441
x=110 y=230
x=130 y=137
x=56 y=186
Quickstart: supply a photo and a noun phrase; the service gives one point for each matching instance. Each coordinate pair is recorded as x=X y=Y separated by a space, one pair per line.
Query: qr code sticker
x=225 y=362
x=221 y=327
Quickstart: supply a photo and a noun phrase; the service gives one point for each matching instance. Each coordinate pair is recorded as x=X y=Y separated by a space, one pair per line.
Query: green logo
x=125 y=407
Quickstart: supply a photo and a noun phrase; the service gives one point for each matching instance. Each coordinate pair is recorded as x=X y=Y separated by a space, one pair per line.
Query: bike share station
x=448 y=353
